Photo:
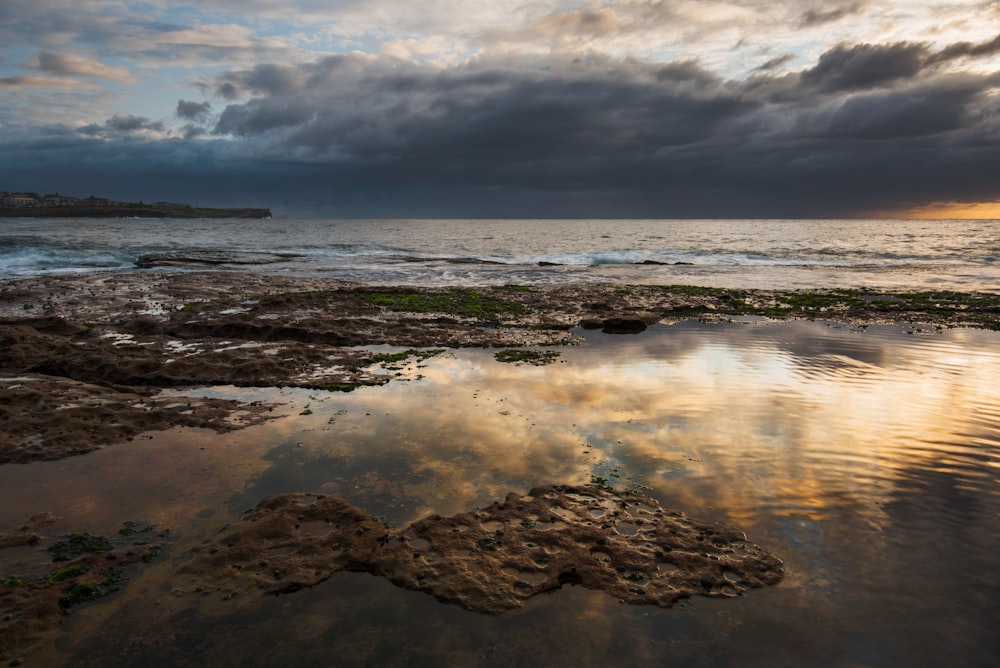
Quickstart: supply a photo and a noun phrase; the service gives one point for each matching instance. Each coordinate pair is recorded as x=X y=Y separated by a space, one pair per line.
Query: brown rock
x=286 y=543
x=493 y=559
x=26 y=534
x=623 y=326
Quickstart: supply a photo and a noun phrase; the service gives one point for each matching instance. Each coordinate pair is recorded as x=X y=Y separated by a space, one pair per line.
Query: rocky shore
x=84 y=360
x=491 y=559
x=83 y=357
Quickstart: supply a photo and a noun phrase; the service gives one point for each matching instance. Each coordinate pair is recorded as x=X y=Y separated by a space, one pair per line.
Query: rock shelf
x=490 y=560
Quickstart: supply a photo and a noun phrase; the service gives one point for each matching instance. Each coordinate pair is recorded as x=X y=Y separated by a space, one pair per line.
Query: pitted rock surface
x=287 y=542
x=493 y=559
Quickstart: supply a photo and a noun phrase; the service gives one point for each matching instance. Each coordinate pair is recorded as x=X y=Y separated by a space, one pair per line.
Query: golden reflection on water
x=846 y=452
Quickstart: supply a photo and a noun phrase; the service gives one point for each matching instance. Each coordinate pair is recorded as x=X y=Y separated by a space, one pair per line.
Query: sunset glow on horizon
x=947 y=211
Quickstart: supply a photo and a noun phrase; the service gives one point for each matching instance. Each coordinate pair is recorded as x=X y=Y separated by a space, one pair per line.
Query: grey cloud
x=774 y=63
x=920 y=112
x=867 y=127
x=266 y=79
x=259 y=116
x=121 y=124
x=20 y=82
x=54 y=62
x=653 y=139
x=967 y=50
x=193 y=110
x=815 y=17
x=91 y=130
x=192 y=131
x=852 y=67
x=130 y=123
x=545 y=113
x=71 y=64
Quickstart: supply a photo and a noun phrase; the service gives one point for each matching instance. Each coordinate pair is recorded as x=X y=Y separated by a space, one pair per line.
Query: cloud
x=774 y=63
x=671 y=138
x=121 y=125
x=193 y=110
x=266 y=79
x=627 y=107
x=858 y=66
x=70 y=64
x=130 y=123
x=967 y=50
x=817 y=17
x=16 y=82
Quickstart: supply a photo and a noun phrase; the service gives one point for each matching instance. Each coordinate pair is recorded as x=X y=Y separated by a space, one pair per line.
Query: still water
x=868 y=460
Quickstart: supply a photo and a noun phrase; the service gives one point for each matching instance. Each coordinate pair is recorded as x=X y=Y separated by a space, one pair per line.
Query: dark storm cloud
x=193 y=110
x=866 y=123
x=919 y=112
x=483 y=114
x=866 y=127
x=850 y=67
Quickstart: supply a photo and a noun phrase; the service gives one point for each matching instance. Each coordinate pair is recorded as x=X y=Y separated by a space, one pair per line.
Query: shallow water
x=868 y=460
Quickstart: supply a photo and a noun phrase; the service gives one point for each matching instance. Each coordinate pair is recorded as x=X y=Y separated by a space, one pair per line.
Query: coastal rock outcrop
x=488 y=560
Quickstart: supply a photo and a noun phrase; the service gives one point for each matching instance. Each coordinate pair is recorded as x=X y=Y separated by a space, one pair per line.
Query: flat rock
x=26 y=534
x=492 y=559
x=210 y=258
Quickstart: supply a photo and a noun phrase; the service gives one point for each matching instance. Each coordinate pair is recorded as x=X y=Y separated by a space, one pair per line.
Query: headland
x=33 y=205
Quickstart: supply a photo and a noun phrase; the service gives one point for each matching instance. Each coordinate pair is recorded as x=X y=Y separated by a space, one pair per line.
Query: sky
x=508 y=108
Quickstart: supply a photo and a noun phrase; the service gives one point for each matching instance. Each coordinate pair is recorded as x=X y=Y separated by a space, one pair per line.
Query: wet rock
x=33 y=602
x=209 y=258
x=48 y=418
x=26 y=534
x=305 y=538
x=493 y=559
x=623 y=326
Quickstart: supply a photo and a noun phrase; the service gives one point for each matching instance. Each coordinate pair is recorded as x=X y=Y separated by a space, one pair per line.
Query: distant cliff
x=128 y=211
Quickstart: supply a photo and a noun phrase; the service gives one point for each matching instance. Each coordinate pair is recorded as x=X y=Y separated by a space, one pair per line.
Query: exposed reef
x=73 y=570
x=488 y=560
x=209 y=258
x=70 y=344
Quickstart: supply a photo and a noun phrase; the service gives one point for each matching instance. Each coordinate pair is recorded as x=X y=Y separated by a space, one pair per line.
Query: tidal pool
x=867 y=459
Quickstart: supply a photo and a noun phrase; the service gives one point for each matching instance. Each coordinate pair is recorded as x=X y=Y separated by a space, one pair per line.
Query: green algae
x=78 y=544
x=463 y=302
x=536 y=357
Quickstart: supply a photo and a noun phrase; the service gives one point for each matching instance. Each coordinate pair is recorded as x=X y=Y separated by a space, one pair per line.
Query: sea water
x=780 y=254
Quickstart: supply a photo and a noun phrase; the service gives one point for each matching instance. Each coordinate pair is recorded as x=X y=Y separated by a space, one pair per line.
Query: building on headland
x=54 y=205
x=55 y=199
x=26 y=199
x=19 y=199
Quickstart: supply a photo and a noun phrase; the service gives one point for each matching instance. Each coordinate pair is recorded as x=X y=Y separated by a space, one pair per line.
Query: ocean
x=780 y=254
